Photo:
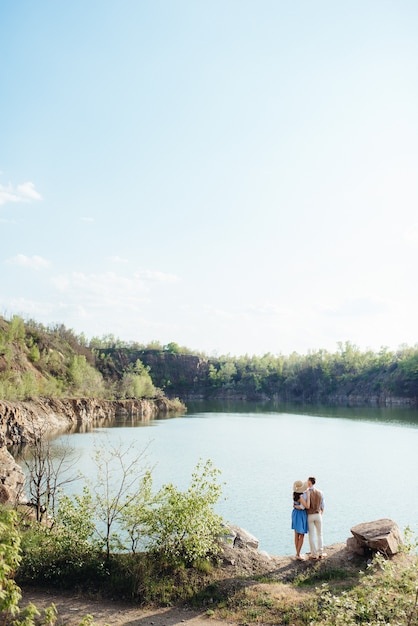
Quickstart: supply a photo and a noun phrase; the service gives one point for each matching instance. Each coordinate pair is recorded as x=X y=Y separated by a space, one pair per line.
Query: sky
x=238 y=177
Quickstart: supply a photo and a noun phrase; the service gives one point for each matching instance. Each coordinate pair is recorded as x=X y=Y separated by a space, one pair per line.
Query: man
x=315 y=512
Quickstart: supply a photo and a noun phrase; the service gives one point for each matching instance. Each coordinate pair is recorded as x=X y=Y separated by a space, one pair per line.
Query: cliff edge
x=23 y=422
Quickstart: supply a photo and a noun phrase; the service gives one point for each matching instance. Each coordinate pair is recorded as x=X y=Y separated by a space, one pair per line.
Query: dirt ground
x=72 y=608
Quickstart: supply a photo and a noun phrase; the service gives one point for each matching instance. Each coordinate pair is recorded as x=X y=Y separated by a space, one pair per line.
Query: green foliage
x=9 y=560
x=136 y=512
x=136 y=382
x=54 y=361
x=76 y=517
x=387 y=593
x=10 y=593
x=55 y=556
x=84 y=380
x=16 y=329
x=183 y=526
x=174 y=527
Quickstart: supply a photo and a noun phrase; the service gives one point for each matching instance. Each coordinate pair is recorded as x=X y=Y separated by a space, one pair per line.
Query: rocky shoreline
x=22 y=422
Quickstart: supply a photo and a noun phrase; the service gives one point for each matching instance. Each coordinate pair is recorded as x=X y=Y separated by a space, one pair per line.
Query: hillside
x=346 y=377
x=55 y=362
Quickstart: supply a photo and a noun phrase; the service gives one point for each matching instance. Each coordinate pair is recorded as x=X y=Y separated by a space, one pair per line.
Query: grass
x=384 y=593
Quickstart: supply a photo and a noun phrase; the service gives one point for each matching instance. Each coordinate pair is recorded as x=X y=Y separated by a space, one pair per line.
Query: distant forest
x=38 y=360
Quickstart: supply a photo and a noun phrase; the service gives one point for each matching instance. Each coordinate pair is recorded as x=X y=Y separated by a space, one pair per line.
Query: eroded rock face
x=382 y=536
x=24 y=422
x=12 y=478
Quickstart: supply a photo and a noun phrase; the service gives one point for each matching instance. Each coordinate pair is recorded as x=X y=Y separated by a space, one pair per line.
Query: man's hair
x=312 y=479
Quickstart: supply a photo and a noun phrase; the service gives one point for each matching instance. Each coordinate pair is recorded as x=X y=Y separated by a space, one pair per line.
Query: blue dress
x=300 y=521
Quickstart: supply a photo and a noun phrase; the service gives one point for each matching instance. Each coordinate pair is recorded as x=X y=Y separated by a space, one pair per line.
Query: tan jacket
x=315 y=501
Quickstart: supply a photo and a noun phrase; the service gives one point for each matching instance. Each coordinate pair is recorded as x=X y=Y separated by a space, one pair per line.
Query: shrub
x=387 y=594
x=183 y=526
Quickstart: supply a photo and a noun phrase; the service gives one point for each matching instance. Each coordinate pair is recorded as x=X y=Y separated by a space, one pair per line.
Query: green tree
x=84 y=380
x=135 y=514
x=16 y=329
x=136 y=382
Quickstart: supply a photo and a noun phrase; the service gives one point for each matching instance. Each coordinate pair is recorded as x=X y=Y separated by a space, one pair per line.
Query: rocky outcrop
x=382 y=536
x=23 y=422
x=240 y=538
x=12 y=478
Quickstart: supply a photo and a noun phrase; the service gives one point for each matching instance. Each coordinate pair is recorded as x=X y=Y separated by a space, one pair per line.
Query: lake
x=365 y=461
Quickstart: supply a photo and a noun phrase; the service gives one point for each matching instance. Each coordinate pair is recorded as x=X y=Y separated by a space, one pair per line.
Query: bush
x=183 y=526
x=387 y=594
x=54 y=556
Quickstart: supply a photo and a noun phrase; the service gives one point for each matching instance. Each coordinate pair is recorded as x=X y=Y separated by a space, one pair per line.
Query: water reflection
x=391 y=415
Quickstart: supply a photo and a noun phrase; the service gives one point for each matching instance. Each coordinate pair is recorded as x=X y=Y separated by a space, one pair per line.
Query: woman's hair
x=296 y=496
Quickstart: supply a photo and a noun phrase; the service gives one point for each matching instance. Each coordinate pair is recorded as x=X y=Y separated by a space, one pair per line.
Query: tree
x=84 y=380
x=136 y=382
x=47 y=472
x=135 y=514
x=118 y=481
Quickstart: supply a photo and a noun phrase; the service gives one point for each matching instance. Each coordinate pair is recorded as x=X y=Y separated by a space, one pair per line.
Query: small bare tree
x=121 y=472
x=48 y=469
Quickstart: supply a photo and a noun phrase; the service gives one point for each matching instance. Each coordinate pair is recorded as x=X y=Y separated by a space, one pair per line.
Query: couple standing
x=308 y=508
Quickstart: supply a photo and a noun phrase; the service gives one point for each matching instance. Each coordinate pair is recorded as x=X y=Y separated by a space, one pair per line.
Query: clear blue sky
x=235 y=176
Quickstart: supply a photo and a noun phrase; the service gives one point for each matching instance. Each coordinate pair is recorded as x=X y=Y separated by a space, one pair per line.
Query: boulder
x=382 y=536
x=354 y=546
x=242 y=538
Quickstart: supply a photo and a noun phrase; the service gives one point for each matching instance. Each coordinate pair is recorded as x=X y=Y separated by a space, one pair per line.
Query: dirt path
x=72 y=609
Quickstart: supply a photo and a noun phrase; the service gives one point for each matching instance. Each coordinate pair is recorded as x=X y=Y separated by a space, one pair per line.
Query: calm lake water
x=365 y=461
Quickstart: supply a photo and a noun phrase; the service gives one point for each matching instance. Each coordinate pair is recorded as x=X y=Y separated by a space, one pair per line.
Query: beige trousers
x=316 y=543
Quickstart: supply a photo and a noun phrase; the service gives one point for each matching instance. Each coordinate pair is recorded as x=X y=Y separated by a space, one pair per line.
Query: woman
x=299 y=515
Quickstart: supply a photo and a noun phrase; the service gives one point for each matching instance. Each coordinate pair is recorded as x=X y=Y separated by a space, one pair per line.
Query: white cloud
x=33 y=262
x=28 y=191
x=25 y=192
x=87 y=219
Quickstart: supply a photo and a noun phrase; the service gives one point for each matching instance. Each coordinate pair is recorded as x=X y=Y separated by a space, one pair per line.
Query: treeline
x=315 y=377
x=54 y=361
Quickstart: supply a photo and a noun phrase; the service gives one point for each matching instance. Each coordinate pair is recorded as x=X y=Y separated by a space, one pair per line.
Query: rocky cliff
x=22 y=422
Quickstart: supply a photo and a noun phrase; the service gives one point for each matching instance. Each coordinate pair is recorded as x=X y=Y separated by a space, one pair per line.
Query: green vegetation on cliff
x=39 y=361
x=54 y=361
x=316 y=377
